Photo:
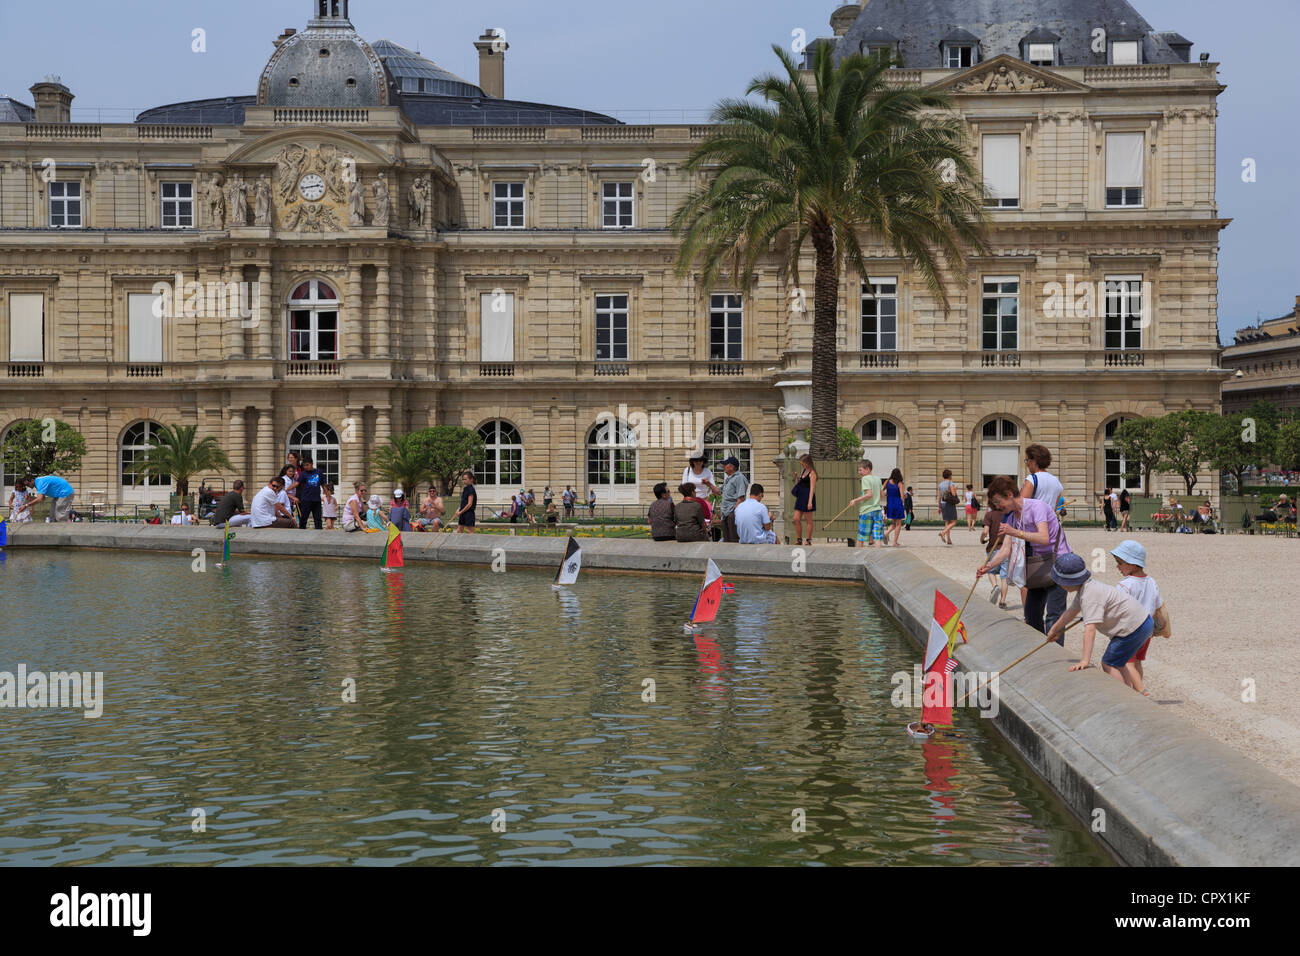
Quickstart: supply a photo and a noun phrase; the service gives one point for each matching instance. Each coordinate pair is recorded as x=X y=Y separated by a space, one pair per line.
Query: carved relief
x=312 y=217
x=330 y=195
x=1004 y=79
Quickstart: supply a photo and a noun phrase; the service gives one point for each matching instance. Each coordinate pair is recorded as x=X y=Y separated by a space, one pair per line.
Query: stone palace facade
x=371 y=245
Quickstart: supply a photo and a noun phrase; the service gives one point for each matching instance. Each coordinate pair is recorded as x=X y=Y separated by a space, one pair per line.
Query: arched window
x=1116 y=464
x=611 y=461
x=999 y=450
x=724 y=438
x=502 y=463
x=318 y=441
x=13 y=469
x=880 y=445
x=136 y=443
x=313 y=322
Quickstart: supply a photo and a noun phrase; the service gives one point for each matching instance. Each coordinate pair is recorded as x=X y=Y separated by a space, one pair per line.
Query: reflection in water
x=477 y=691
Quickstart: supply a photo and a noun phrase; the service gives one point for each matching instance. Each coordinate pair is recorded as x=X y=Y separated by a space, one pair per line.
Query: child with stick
x=871 y=515
x=1104 y=608
x=1131 y=559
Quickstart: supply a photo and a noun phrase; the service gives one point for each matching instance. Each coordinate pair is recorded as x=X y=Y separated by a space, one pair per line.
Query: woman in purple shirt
x=1035 y=523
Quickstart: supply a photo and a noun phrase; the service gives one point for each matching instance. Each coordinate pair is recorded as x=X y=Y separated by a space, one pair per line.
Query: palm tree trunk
x=825 y=359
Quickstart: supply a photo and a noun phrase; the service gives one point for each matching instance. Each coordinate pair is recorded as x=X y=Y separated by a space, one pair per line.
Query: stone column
x=267 y=459
x=237 y=446
x=234 y=319
x=355 y=462
x=263 y=309
x=382 y=349
x=353 y=315
x=383 y=426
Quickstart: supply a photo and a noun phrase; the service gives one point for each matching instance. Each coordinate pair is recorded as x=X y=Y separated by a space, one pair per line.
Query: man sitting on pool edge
x=753 y=520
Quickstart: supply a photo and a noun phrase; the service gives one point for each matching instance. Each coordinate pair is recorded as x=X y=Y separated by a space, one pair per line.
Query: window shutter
x=498 y=328
x=1000 y=461
x=145 y=330
x=1002 y=166
x=26 y=327
x=1124 y=159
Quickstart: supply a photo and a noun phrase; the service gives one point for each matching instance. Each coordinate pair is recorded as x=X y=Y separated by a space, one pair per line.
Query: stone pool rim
x=1197 y=802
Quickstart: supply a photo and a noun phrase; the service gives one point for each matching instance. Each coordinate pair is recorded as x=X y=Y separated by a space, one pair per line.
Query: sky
x=666 y=61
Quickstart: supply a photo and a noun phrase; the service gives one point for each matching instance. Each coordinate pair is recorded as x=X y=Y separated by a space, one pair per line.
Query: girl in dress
x=329 y=507
x=19 y=512
x=894 y=510
x=805 y=500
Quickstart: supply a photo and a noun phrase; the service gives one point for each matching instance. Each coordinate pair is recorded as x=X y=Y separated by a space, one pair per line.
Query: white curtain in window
x=1000 y=461
x=1002 y=166
x=26 y=327
x=145 y=330
x=883 y=458
x=1124 y=159
x=1124 y=52
x=498 y=325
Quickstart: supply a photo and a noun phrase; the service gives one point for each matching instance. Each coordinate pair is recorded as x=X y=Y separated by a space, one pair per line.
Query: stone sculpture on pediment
x=312 y=217
x=1004 y=79
x=380 y=190
x=357 y=204
x=237 y=201
x=421 y=195
x=214 y=200
x=262 y=198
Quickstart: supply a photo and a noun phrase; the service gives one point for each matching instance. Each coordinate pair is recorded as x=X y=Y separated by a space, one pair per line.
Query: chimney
x=1297 y=307
x=53 y=101
x=288 y=32
x=492 y=48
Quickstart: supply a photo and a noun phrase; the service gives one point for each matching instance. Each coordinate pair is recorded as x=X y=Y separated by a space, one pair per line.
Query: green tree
x=846 y=156
x=43 y=447
x=848 y=445
x=1286 y=445
x=1185 y=440
x=176 y=453
x=441 y=452
x=1135 y=440
x=1240 y=442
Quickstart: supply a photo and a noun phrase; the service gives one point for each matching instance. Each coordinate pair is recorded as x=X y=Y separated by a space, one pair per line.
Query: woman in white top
x=701 y=477
x=1041 y=483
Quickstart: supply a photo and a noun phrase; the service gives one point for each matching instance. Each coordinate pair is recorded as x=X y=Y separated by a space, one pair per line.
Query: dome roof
x=325 y=65
x=413 y=73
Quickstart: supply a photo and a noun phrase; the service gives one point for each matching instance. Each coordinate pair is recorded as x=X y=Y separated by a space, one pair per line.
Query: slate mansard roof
x=12 y=111
x=1001 y=25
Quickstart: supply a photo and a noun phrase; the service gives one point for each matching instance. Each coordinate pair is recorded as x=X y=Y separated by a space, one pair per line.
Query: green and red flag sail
x=225 y=551
x=393 y=556
x=937 y=690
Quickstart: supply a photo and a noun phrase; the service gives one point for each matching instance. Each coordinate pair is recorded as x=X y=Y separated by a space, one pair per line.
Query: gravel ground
x=1234 y=603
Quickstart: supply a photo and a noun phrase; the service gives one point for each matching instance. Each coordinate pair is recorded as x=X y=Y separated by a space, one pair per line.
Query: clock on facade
x=312 y=187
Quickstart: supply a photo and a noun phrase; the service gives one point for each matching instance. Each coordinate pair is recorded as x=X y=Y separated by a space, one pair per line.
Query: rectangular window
x=508 y=205
x=1002 y=171
x=1001 y=332
x=1125 y=52
x=880 y=315
x=1124 y=177
x=1042 y=54
x=726 y=320
x=65 y=205
x=26 y=327
x=497 y=317
x=178 y=205
x=1124 y=312
x=616 y=205
x=611 y=328
x=313 y=336
x=1116 y=466
x=960 y=56
x=144 y=329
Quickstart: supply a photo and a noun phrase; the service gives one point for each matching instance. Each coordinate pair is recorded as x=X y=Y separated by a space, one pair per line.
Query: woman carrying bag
x=1035 y=523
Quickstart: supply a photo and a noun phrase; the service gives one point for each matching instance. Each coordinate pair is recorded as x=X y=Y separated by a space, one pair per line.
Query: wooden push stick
x=1015 y=662
x=838 y=516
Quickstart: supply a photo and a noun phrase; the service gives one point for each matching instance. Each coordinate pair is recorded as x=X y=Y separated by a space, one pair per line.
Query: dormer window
x=959 y=56
x=1042 y=54
x=880 y=42
x=960 y=49
x=1125 y=52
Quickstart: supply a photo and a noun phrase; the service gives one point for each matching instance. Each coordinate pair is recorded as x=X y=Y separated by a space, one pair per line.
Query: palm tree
x=176 y=454
x=405 y=461
x=851 y=155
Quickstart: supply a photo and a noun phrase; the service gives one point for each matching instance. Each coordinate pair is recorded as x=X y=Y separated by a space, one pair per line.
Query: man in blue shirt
x=58 y=491
x=309 y=482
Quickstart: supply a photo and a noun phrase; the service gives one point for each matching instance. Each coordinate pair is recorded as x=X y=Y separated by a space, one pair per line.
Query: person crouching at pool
x=1106 y=608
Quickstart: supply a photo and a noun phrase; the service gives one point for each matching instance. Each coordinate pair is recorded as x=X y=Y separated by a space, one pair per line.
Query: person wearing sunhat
x=1131 y=559
x=1106 y=608
x=399 y=511
x=700 y=475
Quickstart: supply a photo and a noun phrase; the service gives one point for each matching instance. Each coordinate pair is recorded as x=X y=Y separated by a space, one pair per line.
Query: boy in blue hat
x=1131 y=559
x=1104 y=608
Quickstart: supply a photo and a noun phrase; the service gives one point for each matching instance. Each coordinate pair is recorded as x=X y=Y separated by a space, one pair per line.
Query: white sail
x=571 y=565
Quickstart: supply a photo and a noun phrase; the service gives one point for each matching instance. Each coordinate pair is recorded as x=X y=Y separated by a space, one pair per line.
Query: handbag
x=1038 y=567
x=950 y=496
x=1164 y=627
